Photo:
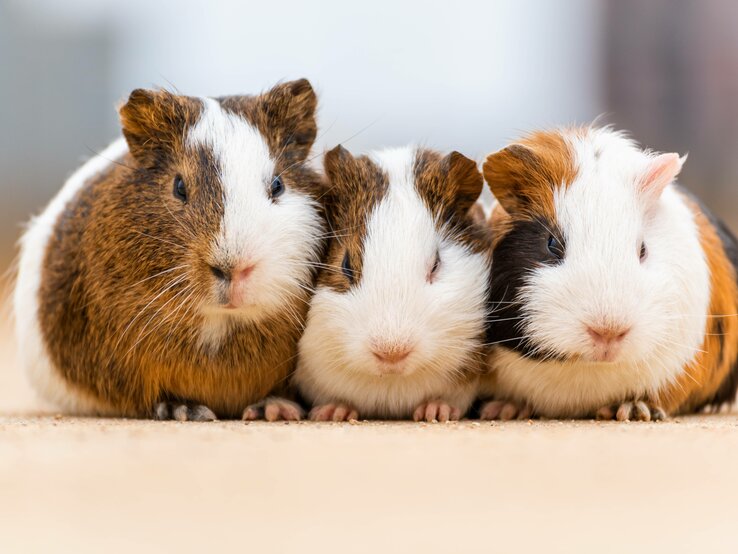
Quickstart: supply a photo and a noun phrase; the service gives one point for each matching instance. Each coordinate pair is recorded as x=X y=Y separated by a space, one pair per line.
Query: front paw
x=637 y=410
x=504 y=410
x=436 y=411
x=183 y=412
x=333 y=412
x=273 y=408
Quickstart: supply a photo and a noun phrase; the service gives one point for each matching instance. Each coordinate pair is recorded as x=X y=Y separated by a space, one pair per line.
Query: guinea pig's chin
x=393 y=370
x=251 y=313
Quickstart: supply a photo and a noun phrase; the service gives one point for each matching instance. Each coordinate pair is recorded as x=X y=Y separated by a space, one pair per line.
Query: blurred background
x=463 y=75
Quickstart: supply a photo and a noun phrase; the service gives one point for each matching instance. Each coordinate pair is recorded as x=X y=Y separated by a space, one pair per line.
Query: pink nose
x=607 y=335
x=241 y=274
x=392 y=354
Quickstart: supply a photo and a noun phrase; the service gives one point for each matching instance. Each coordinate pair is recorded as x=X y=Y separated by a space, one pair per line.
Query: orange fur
x=523 y=176
x=705 y=375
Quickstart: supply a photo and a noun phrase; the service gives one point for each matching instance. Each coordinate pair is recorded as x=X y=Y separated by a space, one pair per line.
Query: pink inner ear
x=663 y=170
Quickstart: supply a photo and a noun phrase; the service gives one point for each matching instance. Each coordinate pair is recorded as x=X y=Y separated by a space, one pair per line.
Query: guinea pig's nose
x=241 y=273
x=608 y=334
x=392 y=353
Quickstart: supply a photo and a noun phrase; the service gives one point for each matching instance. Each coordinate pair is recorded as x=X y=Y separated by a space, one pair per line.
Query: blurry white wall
x=452 y=75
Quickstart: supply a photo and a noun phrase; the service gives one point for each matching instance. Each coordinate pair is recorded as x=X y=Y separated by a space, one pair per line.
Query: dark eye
x=276 y=188
x=180 y=191
x=644 y=252
x=555 y=247
x=434 y=268
x=346 y=268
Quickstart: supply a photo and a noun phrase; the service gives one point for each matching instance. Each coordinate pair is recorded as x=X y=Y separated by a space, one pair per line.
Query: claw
x=183 y=412
x=504 y=411
x=638 y=410
x=333 y=412
x=273 y=409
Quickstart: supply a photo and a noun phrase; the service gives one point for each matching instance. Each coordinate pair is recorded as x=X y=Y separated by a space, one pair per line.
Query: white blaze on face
x=279 y=239
x=661 y=301
x=394 y=304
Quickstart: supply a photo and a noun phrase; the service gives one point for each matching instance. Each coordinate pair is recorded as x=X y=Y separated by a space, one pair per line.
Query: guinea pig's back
x=722 y=327
x=34 y=245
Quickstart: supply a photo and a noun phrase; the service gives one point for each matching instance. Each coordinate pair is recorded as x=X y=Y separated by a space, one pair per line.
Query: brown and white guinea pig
x=614 y=290
x=170 y=275
x=396 y=326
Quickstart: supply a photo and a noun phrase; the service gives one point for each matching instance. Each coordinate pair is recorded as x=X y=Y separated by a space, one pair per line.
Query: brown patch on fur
x=118 y=314
x=449 y=185
x=152 y=121
x=706 y=374
x=523 y=176
x=356 y=186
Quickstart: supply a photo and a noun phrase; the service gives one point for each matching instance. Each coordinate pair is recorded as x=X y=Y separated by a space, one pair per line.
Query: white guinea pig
x=614 y=291
x=396 y=326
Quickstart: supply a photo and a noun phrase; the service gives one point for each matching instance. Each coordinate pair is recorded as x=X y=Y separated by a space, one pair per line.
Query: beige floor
x=88 y=485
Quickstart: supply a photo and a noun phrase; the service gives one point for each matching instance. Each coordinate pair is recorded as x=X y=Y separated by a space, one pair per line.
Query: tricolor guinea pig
x=396 y=326
x=170 y=275
x=614 y=290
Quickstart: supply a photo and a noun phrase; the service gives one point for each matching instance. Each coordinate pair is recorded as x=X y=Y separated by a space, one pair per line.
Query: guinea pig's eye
x=276 y=188
x=346 y=268
x=180 y=190
x=644 y=252
x=434 y=267
x=555 y=247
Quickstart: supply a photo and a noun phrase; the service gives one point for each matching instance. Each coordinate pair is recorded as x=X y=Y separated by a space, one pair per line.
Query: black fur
x=522 y=250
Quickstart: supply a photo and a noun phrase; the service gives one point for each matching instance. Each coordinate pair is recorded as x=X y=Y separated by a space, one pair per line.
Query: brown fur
x=523 y=176
x=107 y=328
x=711 y=367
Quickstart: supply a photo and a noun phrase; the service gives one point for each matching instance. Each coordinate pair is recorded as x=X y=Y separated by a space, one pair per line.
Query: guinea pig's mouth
x=391 y=369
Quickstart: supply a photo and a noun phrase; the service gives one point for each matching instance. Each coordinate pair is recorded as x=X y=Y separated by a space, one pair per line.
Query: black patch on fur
x=522 y=250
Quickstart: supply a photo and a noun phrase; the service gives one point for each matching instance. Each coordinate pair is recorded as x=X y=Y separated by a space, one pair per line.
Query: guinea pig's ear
x=152 y=121
x=290 y=112
x=464 y=178
x=337 y=162
x=661 y=170
x=507 y=174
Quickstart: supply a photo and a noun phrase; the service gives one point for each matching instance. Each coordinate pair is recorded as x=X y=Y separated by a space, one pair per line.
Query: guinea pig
x=396 y=326
x=170 y=276
x=614 y=290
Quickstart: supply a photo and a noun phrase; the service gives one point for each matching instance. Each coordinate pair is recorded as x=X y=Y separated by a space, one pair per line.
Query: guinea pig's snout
x=607 y=340
x=235 y=279
x=391 y=353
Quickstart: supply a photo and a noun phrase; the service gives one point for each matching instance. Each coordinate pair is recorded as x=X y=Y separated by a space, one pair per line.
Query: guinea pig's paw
x=183 y=412
x=436 y=411
x=637 y=410
x=333 y=412
x=504 y=410
x=274 y=408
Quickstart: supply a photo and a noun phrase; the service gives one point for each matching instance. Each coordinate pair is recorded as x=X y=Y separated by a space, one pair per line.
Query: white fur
x=281 y=238
x=664 y=301
x=394 y=302
x=32 y=350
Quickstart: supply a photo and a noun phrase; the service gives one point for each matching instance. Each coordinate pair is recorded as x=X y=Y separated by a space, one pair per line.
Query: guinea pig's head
x=404 y=288
x=596 y=257
x=224 y=197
